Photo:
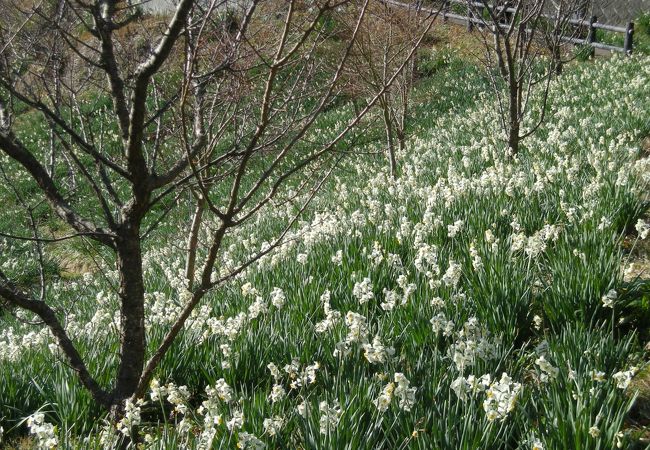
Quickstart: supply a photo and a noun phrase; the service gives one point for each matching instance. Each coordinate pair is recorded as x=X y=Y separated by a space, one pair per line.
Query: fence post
x=445 y=10
x=591 y=35
x=628 y=47
x=470 y=22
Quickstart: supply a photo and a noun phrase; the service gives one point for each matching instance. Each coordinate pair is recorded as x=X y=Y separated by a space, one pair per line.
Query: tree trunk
x=513 y=137
x=515 y=109
x=356 y=105
x=132 y=326
x=390 y=139
x=401 y=141
x=557 y=59
x=192 y=242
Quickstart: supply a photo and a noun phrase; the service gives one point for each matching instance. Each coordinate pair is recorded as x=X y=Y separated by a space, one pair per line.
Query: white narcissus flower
x=377 y=353
x=501 y=398
x=249 y=441
x=337 y=258
x=537 y=445
x=45 y=433
x=247 y=289
x=377 y=255
x=427 y=259
x=549 y=371
x=275 y=371
x=643 y=228
x=452 y=275
x=157 y=391
x=302 y=409
x=131 y=417
x=404 y=393
x=223 y=390
x=331 y=316
x=452 y=230
x=363 y=291
x=390 y=300
x=357 y=327
x=258 y=307
x=236 y=422
x=330 y=416
x=624 y=378
x=273 y=425
x=608 y=299
x=437 y=302
x=277 y=393
x=277 y=297
x=598 y=376
x=385 y=398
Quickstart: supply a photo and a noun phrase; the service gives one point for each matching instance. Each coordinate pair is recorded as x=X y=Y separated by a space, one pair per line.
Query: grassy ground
x=462 y=306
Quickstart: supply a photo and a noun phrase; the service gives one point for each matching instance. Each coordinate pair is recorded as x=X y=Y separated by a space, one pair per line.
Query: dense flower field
x=476 y=302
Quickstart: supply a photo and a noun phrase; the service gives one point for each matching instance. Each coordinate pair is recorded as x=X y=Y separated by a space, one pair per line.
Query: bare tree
x=385 y=37
x=216 y=102
x=524 y=44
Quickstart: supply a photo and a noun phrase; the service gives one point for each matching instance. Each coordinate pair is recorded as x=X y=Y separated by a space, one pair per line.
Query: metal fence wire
x=620 y=12
x=614 y=12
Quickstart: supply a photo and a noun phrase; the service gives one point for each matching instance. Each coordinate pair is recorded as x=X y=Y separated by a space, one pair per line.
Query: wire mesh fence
x=615 y=12
x=619 y=12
